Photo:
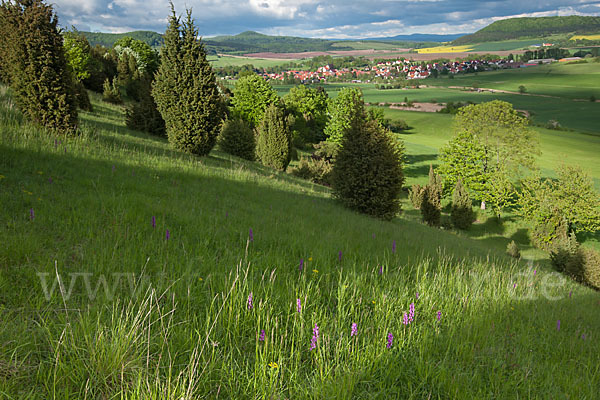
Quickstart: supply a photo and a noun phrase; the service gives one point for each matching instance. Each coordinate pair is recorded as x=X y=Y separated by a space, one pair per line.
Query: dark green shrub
x=367 y=175
x=303 y=169
x=398 y=126
x=563 y=252
x=416 y=196
x=81 y=94
x=143 y=115
x=314 y=169
x=237 y=138
x=512 y=249
x=584 y=266
x=274 y=143
x=431 y=205
x=461 y=213
x=33 y=57
x=111 y=93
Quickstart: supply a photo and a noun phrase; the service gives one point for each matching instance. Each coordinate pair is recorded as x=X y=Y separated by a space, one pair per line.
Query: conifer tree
x=33 y=58
x=431 y=205
x=462 y=209
x=185 y=89
x=367 y=174
x=274 y=144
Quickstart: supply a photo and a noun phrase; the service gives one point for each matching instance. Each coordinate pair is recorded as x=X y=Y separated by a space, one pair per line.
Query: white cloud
x=314 y=18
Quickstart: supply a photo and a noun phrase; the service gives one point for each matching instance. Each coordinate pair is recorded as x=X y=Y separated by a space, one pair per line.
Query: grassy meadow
x=227 y=61
x=129 y=270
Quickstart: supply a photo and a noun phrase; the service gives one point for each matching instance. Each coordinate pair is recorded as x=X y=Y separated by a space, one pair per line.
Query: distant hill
x=154 y=39
x=254 y=42
x=421 y=37
x=520 y=28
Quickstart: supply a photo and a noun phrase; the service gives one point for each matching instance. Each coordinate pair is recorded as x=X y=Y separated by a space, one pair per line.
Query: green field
x=577 y=115
x=571 y=81
x=226 y=61
x=367 y=45
x=506 y=45
x=81 y=209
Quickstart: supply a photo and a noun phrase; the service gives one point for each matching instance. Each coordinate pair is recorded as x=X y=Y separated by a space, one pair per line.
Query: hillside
x=187 y=277
x=421 y=37
x=153 y=39
x=254 y=42
x=540 y=27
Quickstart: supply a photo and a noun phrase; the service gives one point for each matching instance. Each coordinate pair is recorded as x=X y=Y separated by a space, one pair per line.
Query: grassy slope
x=494 y=340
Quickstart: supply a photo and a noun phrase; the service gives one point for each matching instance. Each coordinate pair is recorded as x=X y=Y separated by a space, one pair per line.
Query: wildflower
x=534 y=272
x=298 y=305
x=558 y=325
x=168 y=234
x=381 y=270
x=153 y=221
x=373 y=302
x=49 y=180
x=515 y=286
x=439 y=315
x=570 y=293
x=40 y=173
x=113 y=168
x=261 y=337
x=273 y=365
x=411 y=312
x=405 y=319
x=316 y=271
x=354 y=330
x=31 y=214
x=390 y=340
x=226 y=214
x=583 y=336
x=394 y=246
x=340 y=256
x=301 y=266
x=250 y=304
x=2 y=177
x=417 y=296
x=251 y=235
x=309 y=258
x=315 y=338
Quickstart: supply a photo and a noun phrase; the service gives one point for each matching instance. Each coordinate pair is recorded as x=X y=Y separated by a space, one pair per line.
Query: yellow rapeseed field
x=444 y=49
x=588 y=37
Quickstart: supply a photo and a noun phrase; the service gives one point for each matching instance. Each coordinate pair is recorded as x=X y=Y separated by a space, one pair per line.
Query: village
x=405 y=69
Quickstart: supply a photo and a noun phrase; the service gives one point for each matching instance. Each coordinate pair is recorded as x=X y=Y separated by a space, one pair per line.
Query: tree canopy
x=251 y=98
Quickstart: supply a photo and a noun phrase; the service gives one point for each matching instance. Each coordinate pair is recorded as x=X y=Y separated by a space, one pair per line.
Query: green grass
x=227 y=61
x=174 y=322
x=506 y=45
x=570 y=81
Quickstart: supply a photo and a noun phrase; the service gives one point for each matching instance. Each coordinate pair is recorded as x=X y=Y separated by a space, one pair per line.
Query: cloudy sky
x=313 y=18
